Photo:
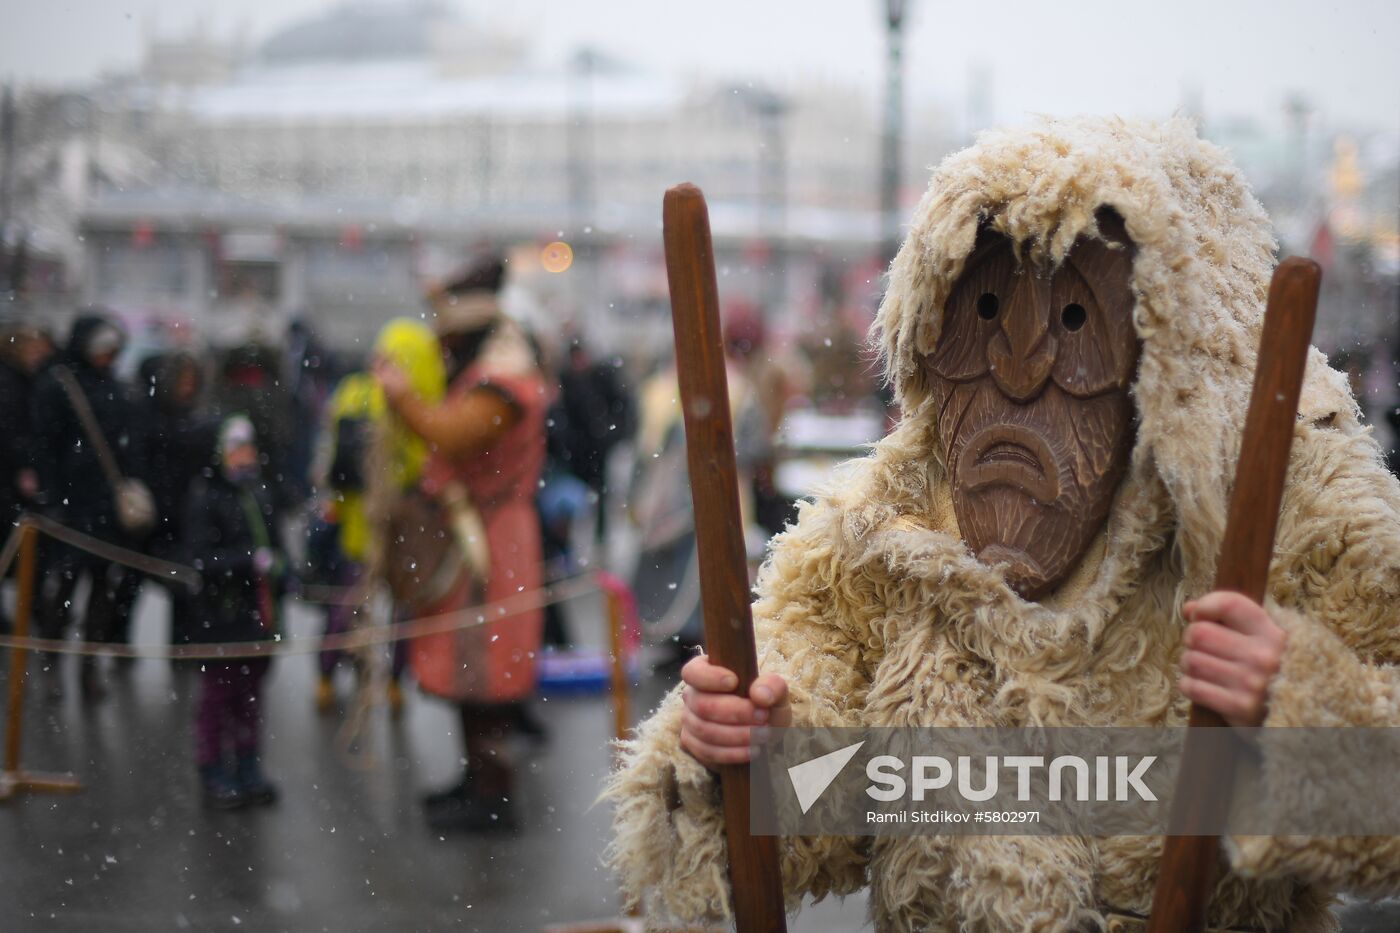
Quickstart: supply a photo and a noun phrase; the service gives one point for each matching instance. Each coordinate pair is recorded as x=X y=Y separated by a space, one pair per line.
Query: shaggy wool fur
x=876 y=614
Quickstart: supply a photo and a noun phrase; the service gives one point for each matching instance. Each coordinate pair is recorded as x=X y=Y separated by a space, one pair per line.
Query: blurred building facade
x=334 y=169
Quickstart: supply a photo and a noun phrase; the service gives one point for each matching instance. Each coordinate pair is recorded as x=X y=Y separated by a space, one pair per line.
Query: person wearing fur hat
x=74 y=488
x=1070 y=329
x=487 y=444
x=232 y=540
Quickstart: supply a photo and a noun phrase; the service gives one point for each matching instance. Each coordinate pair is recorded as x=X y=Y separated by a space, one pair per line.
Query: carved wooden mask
x=1030 y=378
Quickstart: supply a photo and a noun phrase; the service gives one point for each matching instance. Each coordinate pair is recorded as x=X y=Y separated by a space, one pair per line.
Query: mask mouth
x=1021 y=568
x=1010 y=455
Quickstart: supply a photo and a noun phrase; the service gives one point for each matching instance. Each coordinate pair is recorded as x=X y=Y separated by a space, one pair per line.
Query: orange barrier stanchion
x=622 y=716
x=623 y=641
x=12 y=779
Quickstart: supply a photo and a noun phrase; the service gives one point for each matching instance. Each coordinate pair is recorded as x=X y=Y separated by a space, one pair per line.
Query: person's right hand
x=391 y=379
x=715 y=723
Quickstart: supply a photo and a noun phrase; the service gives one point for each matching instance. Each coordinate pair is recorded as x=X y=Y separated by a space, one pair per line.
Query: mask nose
x=1022 y=353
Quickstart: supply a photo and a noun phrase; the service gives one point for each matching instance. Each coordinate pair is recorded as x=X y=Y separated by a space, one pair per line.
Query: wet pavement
x=346 y=849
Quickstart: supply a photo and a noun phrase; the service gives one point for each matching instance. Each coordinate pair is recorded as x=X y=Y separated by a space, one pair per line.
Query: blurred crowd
x=461 y=461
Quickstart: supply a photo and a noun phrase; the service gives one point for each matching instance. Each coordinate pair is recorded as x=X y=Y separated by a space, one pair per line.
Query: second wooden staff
x=1190 y=864
x=719 y=531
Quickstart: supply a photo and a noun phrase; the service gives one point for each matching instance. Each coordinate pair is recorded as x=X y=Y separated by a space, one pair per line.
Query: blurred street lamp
x=8 y=118
x=579 y=139
x=771 y=109
x=1298 y=111
x=892 y=139
x=581 y=161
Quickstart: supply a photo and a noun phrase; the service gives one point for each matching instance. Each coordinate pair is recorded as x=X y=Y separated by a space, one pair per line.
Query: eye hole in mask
x=987 y=306
x=1073 y=317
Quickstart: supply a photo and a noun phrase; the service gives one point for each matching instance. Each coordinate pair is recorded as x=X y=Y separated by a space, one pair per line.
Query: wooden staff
x=24 y=607
x=719 y=532
x=12 y=779
x=1190 y=864
x=622 y=714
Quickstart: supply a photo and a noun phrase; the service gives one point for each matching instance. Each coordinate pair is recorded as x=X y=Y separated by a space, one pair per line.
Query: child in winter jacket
x=231 y=538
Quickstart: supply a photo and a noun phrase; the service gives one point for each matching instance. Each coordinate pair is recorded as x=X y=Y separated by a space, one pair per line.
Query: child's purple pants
x=227 y=715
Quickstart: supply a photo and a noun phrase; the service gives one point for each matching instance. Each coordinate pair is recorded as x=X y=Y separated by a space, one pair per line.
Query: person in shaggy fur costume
x=873 y=609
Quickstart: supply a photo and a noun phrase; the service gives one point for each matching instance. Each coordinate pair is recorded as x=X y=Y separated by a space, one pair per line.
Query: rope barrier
x=154 y=566
x=10 y=551
x=365 y=636
x=358 y=638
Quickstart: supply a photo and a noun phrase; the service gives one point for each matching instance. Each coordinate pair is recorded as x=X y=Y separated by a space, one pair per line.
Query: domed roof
x=359 y=30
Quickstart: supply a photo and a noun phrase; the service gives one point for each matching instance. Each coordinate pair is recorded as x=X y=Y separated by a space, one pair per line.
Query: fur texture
x=876 y=614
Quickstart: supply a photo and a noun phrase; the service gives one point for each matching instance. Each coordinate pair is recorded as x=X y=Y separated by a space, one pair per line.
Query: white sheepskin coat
x=876 y=614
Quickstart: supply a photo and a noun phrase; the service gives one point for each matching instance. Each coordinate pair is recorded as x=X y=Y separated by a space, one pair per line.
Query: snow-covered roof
x=412 y=90
x=196 y=209
x=359 y=30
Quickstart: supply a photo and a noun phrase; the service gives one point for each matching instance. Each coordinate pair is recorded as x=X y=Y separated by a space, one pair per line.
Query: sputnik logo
x=811 y=778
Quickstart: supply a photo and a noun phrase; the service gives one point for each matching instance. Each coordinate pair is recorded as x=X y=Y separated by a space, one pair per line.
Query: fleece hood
x=1204 y=255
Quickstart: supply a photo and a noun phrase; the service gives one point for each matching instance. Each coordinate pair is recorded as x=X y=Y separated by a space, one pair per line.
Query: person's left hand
x=1233 y=650
x=392 y=380
x=27 y=481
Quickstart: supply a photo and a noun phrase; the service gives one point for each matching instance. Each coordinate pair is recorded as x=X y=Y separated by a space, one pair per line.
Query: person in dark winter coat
x=308 y=374
x=74 y=489
x=23 y=350
x=596 y=414
x=180 y=442
x=230 y=534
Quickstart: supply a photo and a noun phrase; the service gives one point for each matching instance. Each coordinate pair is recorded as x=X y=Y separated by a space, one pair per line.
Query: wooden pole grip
x=1190 y=864
x=24 y=609
x=719 y=534
x=617 y=671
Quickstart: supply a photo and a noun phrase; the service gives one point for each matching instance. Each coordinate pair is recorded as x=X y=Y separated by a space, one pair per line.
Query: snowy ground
x=346 y=850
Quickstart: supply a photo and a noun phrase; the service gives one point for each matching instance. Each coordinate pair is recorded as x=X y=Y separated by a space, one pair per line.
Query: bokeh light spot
x=557 y=256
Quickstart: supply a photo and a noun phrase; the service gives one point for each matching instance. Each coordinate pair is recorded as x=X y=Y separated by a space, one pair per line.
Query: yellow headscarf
x=411 y=346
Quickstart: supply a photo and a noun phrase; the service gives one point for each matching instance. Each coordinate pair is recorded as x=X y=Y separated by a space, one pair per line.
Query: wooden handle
x=24 y=608
x=719 y=531
x=1190 y=864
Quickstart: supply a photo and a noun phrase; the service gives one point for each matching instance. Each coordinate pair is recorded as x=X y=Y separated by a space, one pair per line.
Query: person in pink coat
x=487 y=443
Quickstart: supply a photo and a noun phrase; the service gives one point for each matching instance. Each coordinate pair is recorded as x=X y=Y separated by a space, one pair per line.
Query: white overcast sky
x=1133 y=57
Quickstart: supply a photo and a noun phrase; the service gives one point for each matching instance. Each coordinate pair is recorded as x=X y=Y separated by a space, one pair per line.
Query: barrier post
x=12 y=779
x=622 y=716
x=24 y=606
